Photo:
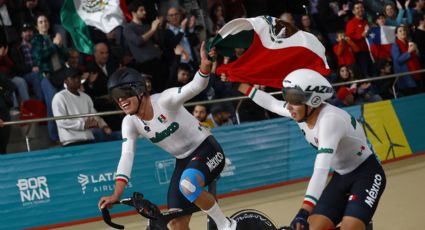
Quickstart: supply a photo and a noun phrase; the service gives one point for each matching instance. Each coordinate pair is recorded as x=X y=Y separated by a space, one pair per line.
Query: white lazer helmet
x=305 y=86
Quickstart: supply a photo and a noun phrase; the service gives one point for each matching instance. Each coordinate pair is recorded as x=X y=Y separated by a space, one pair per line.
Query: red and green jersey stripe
x=251 y=92
x=310 y=201
x=122 y=177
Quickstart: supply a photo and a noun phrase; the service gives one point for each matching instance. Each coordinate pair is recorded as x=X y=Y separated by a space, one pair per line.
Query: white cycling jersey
x=340 y=141
x=172 y=127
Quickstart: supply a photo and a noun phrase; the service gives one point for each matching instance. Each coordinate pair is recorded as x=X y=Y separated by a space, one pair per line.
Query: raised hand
x=205 y=62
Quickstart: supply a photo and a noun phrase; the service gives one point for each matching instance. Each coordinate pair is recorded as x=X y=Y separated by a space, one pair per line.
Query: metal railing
x=239 y=99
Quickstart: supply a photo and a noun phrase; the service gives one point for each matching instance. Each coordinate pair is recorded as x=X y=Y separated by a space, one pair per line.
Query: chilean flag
x=269 y=57
x=379 y=40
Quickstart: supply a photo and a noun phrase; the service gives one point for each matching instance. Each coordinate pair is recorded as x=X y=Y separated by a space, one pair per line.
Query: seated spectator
x=25 y=66
x=180 y=75
x=6 y=102
x=143 y=41
x=366 y=92
x=345 y=97
x=49 y=55
x=220 y=115
x=307 y=26
x=71 y=101
x=217 y=17
x=396 y=20
x=6 y=68
x=345 y=49
x=200 y=112
x=100 y=70
x=346 y=74
x=96 y=87
x=384 y=87
x=405 y=59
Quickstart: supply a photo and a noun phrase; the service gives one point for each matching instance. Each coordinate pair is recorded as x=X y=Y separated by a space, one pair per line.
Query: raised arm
x=265 y=100
x=175 y=97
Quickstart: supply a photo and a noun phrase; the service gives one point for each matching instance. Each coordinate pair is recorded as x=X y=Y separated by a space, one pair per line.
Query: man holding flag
x=276 y=48
x=380 y=38
x=340 y=141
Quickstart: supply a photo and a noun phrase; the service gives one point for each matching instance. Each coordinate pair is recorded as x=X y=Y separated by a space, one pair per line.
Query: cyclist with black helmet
x=352 y=195
x=163 y=120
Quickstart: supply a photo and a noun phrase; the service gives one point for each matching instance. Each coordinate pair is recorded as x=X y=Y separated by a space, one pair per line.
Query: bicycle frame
x=160 y=222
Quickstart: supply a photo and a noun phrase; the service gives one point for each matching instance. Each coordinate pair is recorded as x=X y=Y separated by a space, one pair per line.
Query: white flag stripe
x=387 y=35
x=261 y=26
x=102 y=14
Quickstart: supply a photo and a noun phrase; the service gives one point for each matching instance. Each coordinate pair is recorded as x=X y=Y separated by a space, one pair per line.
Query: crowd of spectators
x=161 y=40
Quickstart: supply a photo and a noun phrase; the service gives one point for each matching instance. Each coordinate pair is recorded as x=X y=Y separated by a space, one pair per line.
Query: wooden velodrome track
x=401 y=205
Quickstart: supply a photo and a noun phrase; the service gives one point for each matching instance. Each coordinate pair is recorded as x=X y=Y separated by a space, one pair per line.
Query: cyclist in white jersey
x=163 y=120
x=353 y=193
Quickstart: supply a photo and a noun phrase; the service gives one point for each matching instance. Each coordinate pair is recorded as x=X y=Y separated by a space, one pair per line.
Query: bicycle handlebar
x=143 y=207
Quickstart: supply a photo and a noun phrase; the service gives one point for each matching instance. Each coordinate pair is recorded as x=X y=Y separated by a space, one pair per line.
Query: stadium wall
x=62 y=186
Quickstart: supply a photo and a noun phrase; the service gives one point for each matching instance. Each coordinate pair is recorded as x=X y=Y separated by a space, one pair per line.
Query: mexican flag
x=76 y=15
x=269 y=56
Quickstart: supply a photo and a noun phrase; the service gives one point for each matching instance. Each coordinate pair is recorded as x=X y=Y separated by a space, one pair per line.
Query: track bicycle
x=248 y=219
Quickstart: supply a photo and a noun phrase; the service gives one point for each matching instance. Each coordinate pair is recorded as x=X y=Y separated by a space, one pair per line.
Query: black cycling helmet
x=129 y=80
x=126 y=76
x=125 y=83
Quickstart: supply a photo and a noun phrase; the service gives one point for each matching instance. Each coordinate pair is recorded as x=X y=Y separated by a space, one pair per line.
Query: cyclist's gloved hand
x=145 y=207
x=300 y=218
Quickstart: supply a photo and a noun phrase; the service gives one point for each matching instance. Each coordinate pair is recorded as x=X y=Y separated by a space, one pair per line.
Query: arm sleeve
x=128 y=149
x=398 y=56
x=41 y=51
x=332 y=129
x=132 y=38
x=59 y=109
x=175 y=97
x=268 y=102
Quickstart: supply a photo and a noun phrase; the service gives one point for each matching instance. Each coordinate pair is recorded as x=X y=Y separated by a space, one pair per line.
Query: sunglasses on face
x=294 y=95
x=123 y=92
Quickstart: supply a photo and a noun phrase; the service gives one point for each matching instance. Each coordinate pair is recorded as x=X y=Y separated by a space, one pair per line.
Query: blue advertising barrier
x=61 y=185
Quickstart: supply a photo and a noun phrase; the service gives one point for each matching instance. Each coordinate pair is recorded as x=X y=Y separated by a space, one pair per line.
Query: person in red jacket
x=357 y=29
x=345 y=49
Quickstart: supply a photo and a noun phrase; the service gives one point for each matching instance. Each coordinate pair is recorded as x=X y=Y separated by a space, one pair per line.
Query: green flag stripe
x=225 y=46
x=77 y=28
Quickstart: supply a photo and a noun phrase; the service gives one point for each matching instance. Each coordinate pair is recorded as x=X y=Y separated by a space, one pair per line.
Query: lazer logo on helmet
x=165 y=133
x=319 y=89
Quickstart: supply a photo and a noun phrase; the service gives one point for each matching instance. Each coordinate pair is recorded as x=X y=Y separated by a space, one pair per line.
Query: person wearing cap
x=220 y=115
x=164 y=121
x=345 y=96
x=23 y=59
x=71 y=101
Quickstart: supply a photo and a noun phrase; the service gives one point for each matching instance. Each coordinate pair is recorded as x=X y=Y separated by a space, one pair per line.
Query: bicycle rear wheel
x=251 y=219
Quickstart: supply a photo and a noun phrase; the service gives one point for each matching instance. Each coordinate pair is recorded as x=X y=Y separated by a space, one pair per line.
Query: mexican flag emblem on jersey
x=162 y=118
